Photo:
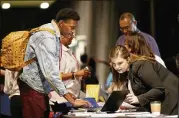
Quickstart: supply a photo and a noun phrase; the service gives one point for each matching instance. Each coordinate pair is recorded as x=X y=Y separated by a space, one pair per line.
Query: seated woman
x=136 y=44
x=148 y=80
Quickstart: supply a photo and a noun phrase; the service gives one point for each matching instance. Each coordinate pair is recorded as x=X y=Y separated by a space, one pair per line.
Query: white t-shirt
x=68 y=64
x=10 y=85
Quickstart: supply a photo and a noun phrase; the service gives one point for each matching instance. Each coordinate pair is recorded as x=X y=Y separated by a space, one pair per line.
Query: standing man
x=38 y=77
x=128 y=25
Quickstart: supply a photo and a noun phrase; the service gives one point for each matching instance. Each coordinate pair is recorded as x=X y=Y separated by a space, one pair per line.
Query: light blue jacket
x=44 y=73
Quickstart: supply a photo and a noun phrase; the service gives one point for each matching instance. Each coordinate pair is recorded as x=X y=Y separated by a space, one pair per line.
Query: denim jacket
x=43 y=74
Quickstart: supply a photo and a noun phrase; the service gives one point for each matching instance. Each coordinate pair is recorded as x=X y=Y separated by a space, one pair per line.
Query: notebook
x=93 y=102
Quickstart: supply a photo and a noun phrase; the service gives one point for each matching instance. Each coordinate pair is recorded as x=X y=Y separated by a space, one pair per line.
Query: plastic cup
x=155 y=108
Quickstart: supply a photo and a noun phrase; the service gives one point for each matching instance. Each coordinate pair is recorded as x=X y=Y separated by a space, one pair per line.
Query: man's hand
x=76 y=102
x=73 y=96
x=81 y=103
x=132 y=99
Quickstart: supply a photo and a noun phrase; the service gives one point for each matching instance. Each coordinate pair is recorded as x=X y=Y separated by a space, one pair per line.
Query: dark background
x=166 y=23
x=165 y=18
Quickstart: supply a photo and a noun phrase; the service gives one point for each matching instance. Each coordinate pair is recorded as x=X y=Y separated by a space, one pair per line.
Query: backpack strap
x=32 y=31
x=27 y=63
x=42 y=29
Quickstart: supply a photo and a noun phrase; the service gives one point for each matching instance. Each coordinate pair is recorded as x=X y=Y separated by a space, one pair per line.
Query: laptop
x=112 y=104
x=114 y=101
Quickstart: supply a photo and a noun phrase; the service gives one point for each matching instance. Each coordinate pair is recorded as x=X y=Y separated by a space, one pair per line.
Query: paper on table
x=132 y=114
x=81 y=113
x=111 y=115
x=138 y=114
x=172 y=116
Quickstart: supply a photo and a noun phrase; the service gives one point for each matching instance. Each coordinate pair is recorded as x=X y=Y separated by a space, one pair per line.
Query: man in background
x=128 y=25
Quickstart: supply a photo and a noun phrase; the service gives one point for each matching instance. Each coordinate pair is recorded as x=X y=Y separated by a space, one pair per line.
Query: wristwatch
x=73 y=75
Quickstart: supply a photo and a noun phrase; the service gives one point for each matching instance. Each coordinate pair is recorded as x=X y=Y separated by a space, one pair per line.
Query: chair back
x=92 y=90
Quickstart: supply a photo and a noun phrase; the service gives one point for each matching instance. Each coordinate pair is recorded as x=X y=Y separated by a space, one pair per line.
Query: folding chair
x=92 y=90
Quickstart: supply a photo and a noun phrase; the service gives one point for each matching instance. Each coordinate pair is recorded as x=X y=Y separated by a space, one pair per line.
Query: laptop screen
x=114 y=101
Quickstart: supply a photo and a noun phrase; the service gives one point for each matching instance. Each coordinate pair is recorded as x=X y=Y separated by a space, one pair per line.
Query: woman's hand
x=82 y=73
x=132 y=99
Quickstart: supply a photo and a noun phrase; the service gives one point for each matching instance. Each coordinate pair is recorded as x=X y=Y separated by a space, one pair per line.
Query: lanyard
x=77 y=64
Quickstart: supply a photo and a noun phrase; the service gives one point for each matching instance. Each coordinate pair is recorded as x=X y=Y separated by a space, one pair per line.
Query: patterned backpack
x=14 y=47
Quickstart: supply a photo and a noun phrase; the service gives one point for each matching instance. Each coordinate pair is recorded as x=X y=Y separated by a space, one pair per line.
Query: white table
x=116 y=115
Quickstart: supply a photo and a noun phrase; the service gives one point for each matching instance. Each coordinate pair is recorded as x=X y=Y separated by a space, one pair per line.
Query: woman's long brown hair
x=138 y=45
x=120 y=50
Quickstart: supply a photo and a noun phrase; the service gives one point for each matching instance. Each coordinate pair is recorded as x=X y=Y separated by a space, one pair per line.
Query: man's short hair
x=84 y=58
x=66 y=14
x=127 y=15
